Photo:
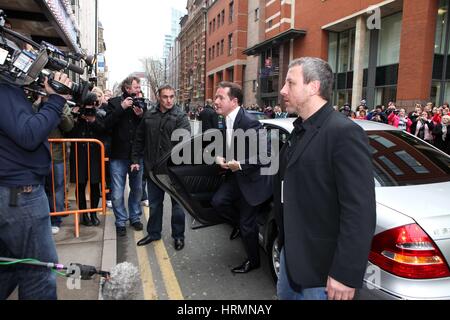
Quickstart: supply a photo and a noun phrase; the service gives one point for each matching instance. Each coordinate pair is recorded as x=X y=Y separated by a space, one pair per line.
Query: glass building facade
x=381 y=62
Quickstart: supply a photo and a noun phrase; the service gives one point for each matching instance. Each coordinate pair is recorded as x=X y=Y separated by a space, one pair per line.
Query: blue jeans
x=58 y=186
x=154 y=226
x=25 y=232
x=119 y=171
x=285 y=292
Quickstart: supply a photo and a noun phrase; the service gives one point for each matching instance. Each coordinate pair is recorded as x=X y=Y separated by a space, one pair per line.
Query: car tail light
x=408 y=252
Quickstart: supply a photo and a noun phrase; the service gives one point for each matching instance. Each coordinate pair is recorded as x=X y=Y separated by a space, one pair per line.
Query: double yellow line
x=169 y=278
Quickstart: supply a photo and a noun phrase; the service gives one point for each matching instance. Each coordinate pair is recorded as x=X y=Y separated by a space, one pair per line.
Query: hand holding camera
x=61 y=80
x=127 y=103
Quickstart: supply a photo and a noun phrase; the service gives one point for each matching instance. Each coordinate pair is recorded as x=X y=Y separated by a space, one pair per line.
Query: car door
x=192 y=184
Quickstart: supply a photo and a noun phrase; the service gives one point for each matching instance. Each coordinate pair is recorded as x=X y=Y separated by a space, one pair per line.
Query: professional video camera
x=26 y=63
x=137 y=102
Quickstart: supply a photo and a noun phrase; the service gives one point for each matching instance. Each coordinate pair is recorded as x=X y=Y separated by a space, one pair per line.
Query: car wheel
x=274 y=257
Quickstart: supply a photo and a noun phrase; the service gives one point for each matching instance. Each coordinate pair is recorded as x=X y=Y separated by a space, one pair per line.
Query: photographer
x=25 y=230
x=378 y=115
x=87 y=126
x=423 y=128
x=123 y=117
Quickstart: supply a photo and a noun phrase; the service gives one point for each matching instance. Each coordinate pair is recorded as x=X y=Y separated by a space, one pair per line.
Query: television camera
x=26 y=63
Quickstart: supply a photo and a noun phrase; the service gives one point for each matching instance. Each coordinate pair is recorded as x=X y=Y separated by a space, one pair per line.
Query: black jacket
x=82 y=153
x=209 y=118
x=256 y=188
x=123 y=124
x=328 y=216
x=153 y=136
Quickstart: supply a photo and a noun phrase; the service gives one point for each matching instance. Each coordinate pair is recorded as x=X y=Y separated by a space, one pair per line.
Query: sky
x=134 y=29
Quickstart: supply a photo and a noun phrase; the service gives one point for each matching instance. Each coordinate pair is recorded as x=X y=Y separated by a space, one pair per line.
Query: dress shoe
x=95 y=221
x=246 y=267
x=138 y=226
x=147 y=240
x=179 y=244
x=121 y=231
x=85 y=220
x=235 y=233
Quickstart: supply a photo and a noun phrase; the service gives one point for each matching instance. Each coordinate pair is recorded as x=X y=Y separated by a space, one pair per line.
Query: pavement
x=95 y=247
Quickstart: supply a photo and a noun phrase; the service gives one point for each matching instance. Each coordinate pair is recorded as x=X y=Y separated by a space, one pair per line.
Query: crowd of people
x=427 y=122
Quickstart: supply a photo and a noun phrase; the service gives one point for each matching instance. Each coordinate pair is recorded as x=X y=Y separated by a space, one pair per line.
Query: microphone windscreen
x=122 y=284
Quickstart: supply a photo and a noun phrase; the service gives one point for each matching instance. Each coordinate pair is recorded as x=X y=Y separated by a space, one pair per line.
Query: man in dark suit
x=324 y=192
x=209 y=117
x=245 y=189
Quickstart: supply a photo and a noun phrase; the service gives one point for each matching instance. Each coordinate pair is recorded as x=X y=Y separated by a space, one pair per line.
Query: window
x=209 y=54
x=231 y=11
x=389 y=40
x=256 y=14
x=344 y=48
x=408 y=162
x=332 y=49
x=218 y=21
x=223 y=16
x=214 y=51
x=440 y=87
x=210 y=27
x=222 y=45
x=270 y=23
x=230 y=44
x=214 y=24
x=218 y=51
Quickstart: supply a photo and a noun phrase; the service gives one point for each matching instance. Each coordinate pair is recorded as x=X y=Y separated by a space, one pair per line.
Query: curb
x=109 y=252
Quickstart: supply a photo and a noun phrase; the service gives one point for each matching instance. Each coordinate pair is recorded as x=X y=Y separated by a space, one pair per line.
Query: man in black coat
x=122 y=118
x=209 y=117
x=245 y=189
x=153 y=141
x=324 y=192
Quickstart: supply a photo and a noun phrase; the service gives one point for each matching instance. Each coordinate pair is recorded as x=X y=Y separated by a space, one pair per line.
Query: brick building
x=192 y=41
x=226 y=41
x=380 y=50
x=255 y=35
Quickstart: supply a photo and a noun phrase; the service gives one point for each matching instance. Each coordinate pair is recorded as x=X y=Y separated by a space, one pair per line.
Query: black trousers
x=230 y=203
x=95 y=196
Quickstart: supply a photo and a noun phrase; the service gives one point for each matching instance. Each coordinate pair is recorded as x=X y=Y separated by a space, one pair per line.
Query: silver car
x=411 y=246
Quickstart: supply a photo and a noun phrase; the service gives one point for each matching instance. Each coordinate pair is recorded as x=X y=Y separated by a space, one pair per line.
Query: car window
x=401 y=159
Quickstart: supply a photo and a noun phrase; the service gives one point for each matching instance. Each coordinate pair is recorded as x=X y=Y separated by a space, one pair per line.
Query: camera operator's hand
x=127 y=103
x=61 y=78
x=138 y=111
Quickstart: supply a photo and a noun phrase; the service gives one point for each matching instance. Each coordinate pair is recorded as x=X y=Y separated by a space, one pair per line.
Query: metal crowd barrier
x=104 y=191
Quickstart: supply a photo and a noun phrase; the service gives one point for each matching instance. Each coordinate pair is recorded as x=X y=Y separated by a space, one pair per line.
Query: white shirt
x=230 y=119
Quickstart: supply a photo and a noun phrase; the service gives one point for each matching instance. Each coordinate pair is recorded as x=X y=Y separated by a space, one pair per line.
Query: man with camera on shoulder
x=123 y=116
x=25 y=161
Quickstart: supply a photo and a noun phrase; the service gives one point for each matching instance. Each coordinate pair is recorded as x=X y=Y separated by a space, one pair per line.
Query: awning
x=275 y=41
x=43 y=20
